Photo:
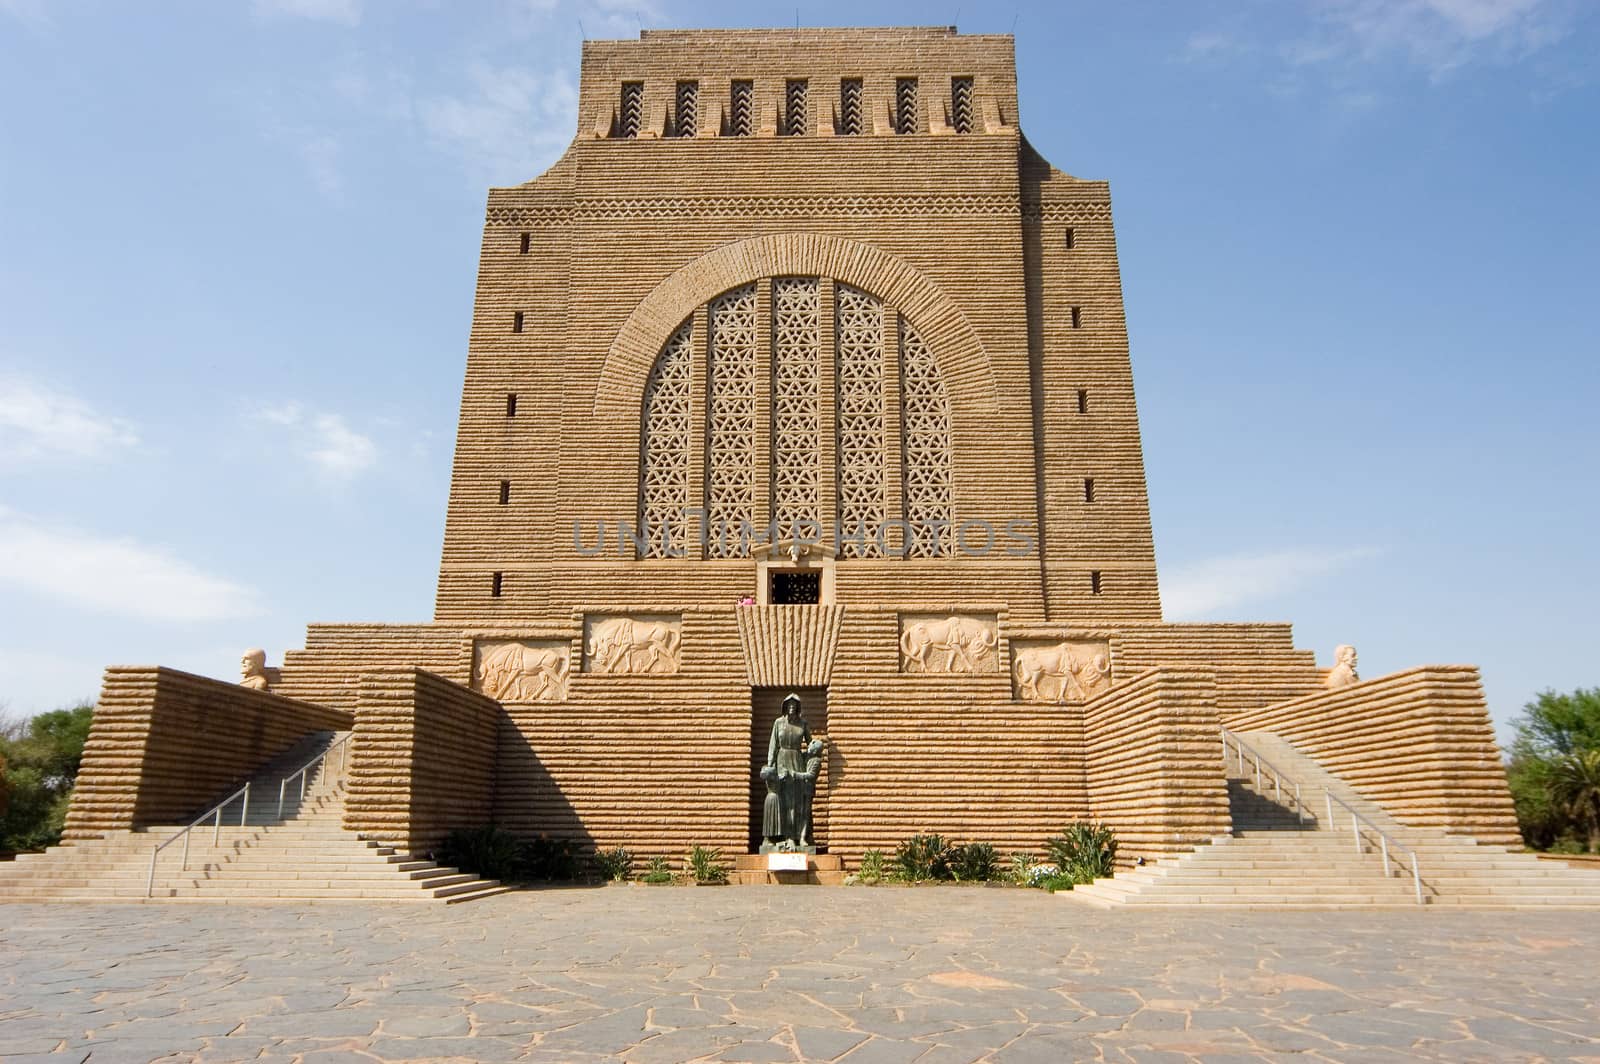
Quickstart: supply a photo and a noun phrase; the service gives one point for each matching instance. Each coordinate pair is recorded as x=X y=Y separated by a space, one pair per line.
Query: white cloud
x=116 y=576
x=323 y=439
x=512 y=125
x=38 y=422
x=1438 y=35
x=1202 y=589
x=346 y=12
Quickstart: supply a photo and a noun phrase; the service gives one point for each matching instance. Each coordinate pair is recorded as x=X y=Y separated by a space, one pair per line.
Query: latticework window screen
x=859 y=343
x=731 y=431
x=925 y=440
x=796 y=395
x=668 y=445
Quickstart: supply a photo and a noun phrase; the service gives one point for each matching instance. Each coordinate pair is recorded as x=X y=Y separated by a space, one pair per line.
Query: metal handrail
x=1357 y=821
x=216 y=835
x=304 y=771
x=1262 y=763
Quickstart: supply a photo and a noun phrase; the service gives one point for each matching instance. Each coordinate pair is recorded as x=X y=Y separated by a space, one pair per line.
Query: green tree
x=1550 y=756
x=39 y=760
x=1575 y=786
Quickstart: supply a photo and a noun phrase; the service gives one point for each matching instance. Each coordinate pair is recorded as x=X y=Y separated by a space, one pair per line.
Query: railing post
x=244 y=807
x=1299 y=809
x=1384 y=839
x=216 y=832
x=1258 y=769
x=186 y=835
x=150 y=884
x=1332 y=824
x=1355 y=830
x=1416 y=877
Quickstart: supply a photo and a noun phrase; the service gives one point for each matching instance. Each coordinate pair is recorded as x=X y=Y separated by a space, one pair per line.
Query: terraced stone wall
x=1419 y=743
x=1153 y=763
x=422 y=760
x=166 y=744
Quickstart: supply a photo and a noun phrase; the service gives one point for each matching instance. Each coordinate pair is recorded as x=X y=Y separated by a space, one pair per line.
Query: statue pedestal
x=819 y=869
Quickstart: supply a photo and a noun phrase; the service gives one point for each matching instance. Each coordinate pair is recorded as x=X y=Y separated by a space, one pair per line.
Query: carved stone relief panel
x=521 y=670
x=944 y=643
x=638 y=645
x=1060 y=671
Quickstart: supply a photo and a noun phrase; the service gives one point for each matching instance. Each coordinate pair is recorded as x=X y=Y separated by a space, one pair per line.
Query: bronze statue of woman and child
x=794 y=760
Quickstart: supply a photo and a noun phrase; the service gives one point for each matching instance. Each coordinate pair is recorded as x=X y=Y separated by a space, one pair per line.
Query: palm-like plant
x=1575 y=784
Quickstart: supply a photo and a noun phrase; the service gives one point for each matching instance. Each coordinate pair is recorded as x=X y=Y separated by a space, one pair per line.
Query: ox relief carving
x=517 y=670
x=631 y=646
x=934 y=643
x=1068 y=670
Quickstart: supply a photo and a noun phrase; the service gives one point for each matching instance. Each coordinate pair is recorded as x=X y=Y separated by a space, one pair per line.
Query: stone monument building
x=803 y=370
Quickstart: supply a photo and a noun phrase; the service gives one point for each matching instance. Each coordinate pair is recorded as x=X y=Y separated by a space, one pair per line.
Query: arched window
x=784 y=387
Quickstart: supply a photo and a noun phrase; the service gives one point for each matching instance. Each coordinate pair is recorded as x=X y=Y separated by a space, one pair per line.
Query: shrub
x=923 y=857
x=550 y=860
x=614 y=865
x=488 y=852
x=657 y=872
x=975 y=862
x=873 y=870
x=705 y=864
x=1022 y=866
x=1083 y=852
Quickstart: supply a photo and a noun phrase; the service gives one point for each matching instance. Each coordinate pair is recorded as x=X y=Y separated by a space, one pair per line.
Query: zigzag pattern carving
x=783 y=206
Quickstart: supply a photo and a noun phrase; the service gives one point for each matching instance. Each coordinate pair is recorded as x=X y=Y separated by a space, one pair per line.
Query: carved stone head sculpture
x=1343 y=673
x=253 y=669
x=791 y=705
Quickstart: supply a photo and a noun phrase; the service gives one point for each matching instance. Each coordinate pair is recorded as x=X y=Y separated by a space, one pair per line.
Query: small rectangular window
x=1083 y=400
x=1094 y=582
x=526 y=239
x=850 y=107
x=905 y=105
x=961 y=104
x=630 y=111
x=686 y=109
x=1072 y=238
x=496 y=584
x=741 y=109
x=505 y=492
x=1077 y=317
x=516 y=322
x=511 y=404
x=794 y=108
x=1088 y=489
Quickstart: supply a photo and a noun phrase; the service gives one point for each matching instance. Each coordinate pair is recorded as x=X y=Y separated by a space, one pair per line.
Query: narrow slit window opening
x=961 y=104
x=1094 y=582
x=1072 y=238
x=496 y=584
x=526 y=241
x=1088 y=489
x=505 y=492
x=850 y=107
x=631 y=109
x=686 y=109
x=511 y=404
x=905 y=105
x=1083 y=400
x=516 y=322
x=1077 y=317
x=794 y=107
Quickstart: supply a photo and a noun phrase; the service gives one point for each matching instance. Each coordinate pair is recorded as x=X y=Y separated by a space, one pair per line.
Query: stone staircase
x=255 y=855
x=1281 y=856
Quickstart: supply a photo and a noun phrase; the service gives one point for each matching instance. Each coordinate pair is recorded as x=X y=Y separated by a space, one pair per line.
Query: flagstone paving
x=939 y=975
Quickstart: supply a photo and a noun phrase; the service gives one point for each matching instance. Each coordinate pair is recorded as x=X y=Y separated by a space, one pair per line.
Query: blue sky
x=238 y=244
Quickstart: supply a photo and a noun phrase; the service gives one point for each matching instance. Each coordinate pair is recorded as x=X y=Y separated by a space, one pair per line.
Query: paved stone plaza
x=891 y=974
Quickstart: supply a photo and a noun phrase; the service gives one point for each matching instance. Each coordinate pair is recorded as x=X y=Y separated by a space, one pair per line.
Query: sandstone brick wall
x=1255 y=664
x=1419 y=743
x=422 y=760
x=166 y=744
x=1153 y=763
x=328 y=671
